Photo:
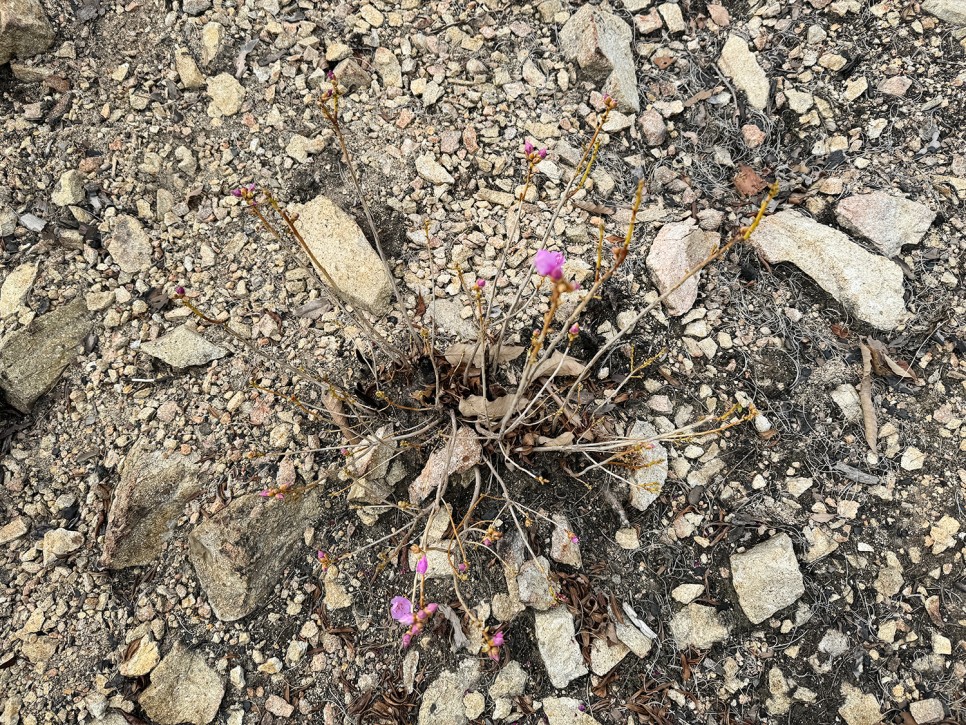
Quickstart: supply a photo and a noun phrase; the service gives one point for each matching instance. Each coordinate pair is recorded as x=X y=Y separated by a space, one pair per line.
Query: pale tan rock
x=341 y=248
x=678 y=248
x=741 y=66
x=25 y=30
x=868 y=285
x=184 y=688
x=15 y=288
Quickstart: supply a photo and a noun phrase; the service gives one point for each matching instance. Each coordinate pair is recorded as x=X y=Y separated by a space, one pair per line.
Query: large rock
x=227 y=95
x=699 y=626
x=952 y=11
x=741 y=66
x=868 y=285
x=33 y=358
x=647 y=479
x=153 y=490
x=184 y=688
x=388 y=68
x=129 y=245
x=886 y=220
x=15 y=288
x=536 y=589
x=859 y=708
x=24 y=29
x=678 y=248
x=239 y=554
x=183 y=348
x=442 y=703
x=558 y=647
x=342 y=249
x=566 y=711
x=600 y=43
x=767 y=578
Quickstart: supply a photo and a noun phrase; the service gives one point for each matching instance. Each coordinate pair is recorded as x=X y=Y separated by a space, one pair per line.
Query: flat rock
x=699 y=626
x=442 y=703
x=147 y=501
x=191 y=78
x=227 y=95
x=16 y=286
x=562 y=547
x=605 y=656
x=653 y=127
x=510 y=681
x=69 y=189
x=184 y=688
x=635 y=640
x=927 y=711
x=678 y=248
x=429 y=169
x=388 y=68
x=59 y=543
x=142 y=660
x=24 y=29
x=33 y=358
x=129 y=245
x=952 y=11
x=888 y=221
x=767 y=578
x=13 y=530
x=741 y=66
x=558 y=646
x=566 y=711
x=536 y=589
x=341 y=248
x=182 y=348
x=859 y=708
x=239 y=554
x=647 y=480
x=868 y=285
x=600 y=43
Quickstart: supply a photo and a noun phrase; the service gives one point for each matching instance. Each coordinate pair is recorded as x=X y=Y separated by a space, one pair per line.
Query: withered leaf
x=882 y=362
x=480 y=407
x=748 y=182
x=559 y=364
x=470 y=353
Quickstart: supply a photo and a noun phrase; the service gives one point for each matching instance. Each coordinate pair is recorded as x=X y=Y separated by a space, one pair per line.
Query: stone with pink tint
x=678 y=248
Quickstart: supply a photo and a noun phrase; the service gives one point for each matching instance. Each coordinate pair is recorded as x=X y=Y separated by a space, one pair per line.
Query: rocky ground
x=807 y=568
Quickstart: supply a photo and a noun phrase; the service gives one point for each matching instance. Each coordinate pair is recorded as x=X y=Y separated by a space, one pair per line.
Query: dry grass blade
x=465 y=353
x=869 y=421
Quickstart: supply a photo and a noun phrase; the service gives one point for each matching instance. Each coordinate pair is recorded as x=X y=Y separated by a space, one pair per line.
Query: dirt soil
x=878 y=536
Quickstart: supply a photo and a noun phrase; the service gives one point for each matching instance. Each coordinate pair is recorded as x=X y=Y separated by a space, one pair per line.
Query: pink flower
x=179 y=291
x=574 y=539
x=462 y=567
x=401 y=609
x=575 y=329
x=406 y=640
x=497 y=639
x=542 y=153
x=549 y=264
x=422 y=566
x=528 y=148
x=481 y=283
